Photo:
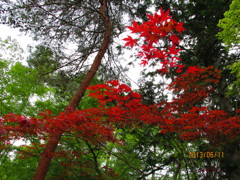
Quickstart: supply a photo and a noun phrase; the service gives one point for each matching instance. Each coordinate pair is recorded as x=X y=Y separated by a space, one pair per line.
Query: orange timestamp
x=205 y=154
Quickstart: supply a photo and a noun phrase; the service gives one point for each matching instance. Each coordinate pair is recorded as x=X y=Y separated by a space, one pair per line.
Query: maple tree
x=120 y=107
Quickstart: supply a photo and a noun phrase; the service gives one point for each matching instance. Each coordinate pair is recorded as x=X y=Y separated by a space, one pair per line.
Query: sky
x=22 y=39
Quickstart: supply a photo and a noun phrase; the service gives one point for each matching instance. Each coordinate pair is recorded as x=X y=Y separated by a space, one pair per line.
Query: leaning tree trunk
x=53 y=141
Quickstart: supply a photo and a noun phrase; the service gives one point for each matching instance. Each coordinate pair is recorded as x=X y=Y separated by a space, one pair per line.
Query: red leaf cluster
x=159 y=28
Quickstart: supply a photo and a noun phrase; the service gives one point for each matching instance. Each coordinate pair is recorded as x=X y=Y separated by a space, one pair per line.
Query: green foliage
x=21 y=85
x=13 y=167
x=234 y=88
x=231 y=25
x=230 y=35
x=18 y=83
x=44 y=60
x=18 y=169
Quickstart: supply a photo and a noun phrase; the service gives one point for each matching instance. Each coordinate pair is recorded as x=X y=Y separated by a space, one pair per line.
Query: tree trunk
x=53 y=141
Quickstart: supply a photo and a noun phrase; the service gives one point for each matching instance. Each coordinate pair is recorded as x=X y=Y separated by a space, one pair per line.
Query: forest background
x=135 y=145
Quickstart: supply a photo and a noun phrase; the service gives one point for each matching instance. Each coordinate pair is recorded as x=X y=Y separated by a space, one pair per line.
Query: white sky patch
x=130 y=54
x=23 y=39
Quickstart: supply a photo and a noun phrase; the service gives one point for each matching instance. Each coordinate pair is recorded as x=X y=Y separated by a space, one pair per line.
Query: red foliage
x=120 y=107
x=130 y=41
x=159 y=28
x=193 y=86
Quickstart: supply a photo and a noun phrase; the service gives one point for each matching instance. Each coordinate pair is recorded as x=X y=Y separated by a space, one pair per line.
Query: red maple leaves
x=130 y=41
x=159 y=28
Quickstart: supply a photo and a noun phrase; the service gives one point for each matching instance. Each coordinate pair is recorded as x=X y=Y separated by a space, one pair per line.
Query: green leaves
x=20 y=85
x=234 y=88
x=230 y=35
x=231 y=25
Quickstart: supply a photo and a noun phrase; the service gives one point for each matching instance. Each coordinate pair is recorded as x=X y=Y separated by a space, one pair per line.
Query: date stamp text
x=205 y=154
